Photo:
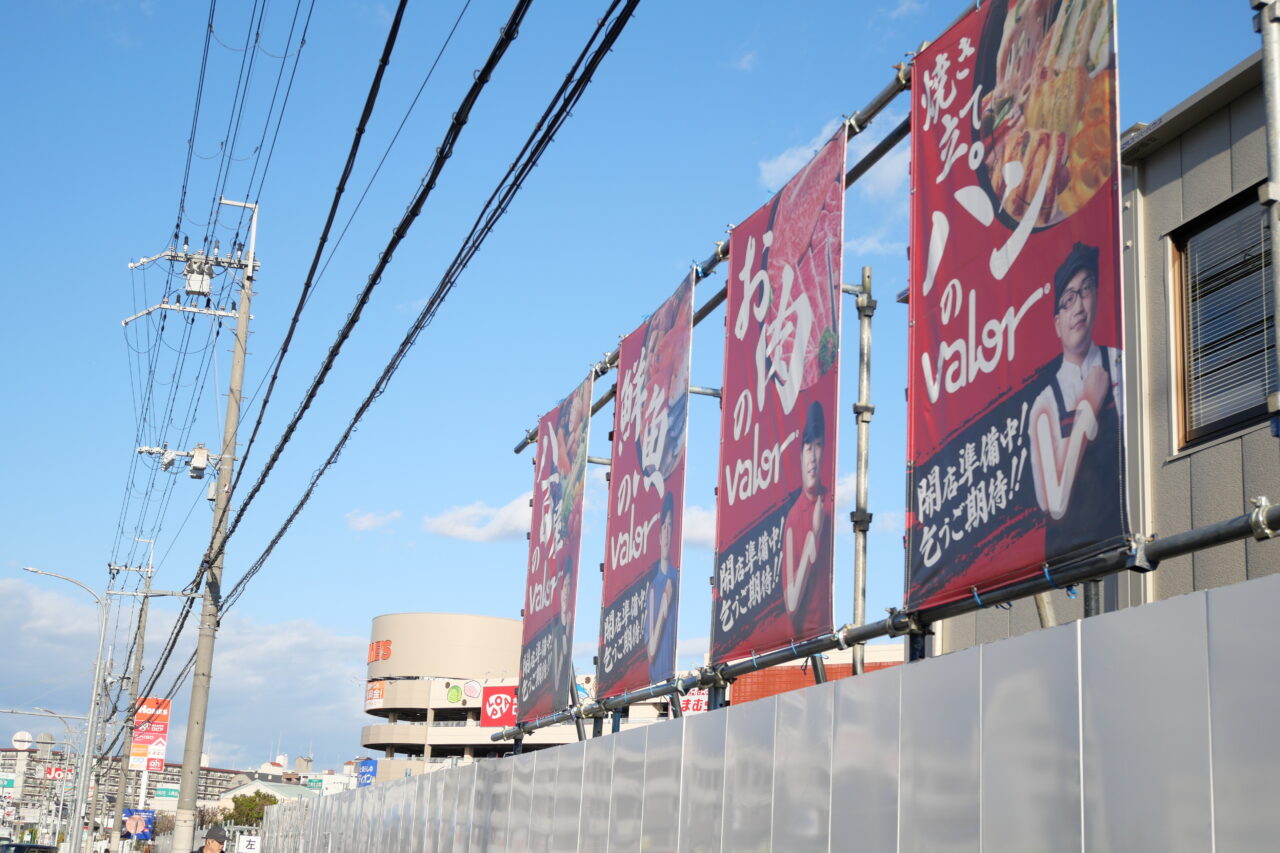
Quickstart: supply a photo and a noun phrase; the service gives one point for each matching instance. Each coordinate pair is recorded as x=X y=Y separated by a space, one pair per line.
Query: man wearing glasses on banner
x=1076 y=418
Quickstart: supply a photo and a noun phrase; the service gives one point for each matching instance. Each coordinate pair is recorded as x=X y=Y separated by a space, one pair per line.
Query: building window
x=1228 y=347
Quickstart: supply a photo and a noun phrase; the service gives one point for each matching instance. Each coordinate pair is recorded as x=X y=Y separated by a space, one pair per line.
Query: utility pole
x=185 y=819
x=126 y=751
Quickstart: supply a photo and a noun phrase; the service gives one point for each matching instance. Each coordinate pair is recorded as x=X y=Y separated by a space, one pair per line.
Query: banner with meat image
x=774 y=500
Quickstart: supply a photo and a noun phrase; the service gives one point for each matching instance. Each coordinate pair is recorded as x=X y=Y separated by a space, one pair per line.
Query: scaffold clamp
x=1258 y=519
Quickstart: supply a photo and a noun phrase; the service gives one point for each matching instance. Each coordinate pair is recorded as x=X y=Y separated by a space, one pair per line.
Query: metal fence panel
x=543 y=799
x=567 y=813
x=802 y=770
x=626 y=803
x=659 y=826
x=939 y=755
x=497 y=800
x=1146 y=728
x=864 y=759
x=521 y=801
x=448 y=809
x=702 y=783
x=1031 y=741
x=597 y=779
x=431 y=825
x=465 y=808
x=1244 y=696
x=415 y=838
x=748 y=775
x=482 y=805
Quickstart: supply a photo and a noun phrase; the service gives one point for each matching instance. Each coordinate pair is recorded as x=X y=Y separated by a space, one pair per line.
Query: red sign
x=774 y=502
x=1016 y=385
x=694 y=702
x=150 y=735
x=498 y=707
x=646 y=501
x=551 y=586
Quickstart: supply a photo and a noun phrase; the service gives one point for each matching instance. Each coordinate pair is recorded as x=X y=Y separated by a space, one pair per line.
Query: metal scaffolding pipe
x=1261 y=524
x=863 y=410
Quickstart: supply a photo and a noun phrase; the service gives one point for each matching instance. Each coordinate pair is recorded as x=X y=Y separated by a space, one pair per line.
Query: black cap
x=1081 y=257
x=216 y=833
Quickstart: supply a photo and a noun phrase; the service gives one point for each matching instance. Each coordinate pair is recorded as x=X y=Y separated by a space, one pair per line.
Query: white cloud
x=892 y=521
x=888 y=177
x=776 y=172
x=693 y=649
x=361 y=521
x=905 y=7
x=874 y=244
x=479 y=522
x=261 y=698
x=846 y=484
x=699 y=526
x=747 y=61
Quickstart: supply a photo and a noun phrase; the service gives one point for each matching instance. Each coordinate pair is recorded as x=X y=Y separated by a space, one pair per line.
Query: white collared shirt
x=1071 y=377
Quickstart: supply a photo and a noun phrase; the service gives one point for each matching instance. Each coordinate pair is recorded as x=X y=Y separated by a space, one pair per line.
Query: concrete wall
x=1206 y=151
x=1059 y=740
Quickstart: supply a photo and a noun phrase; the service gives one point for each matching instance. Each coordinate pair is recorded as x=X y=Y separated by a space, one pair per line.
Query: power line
x=370 y=100
x=544 y=133
x=507 y=35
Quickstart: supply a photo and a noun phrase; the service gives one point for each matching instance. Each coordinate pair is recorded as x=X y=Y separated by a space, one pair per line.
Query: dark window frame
x=1191 y=434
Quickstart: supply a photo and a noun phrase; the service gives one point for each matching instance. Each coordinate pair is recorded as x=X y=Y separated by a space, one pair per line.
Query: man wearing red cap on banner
x=1076 y=420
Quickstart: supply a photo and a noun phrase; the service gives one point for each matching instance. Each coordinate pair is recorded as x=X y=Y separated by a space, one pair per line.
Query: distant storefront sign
x=498 y=706
x=374 y=693
x=150 y=735
x=138 y=824
x=694 y=702
x=315 y=784
x=365 y=772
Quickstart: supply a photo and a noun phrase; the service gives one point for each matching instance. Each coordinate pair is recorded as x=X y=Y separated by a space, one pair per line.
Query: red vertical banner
x=150 y=735
x=551 y=585
x=775 y=498
x=641 y=592
x=1016 y=388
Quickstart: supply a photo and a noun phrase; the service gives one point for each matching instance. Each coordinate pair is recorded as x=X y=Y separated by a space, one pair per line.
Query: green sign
x=166 y=792
x=315 y=783
x=7 y=780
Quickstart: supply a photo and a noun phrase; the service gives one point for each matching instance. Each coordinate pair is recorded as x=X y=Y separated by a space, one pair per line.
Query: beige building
x=428 y=677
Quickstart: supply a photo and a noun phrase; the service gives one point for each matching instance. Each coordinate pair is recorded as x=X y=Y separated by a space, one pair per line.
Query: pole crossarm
x=1142 y=555
x=166 y=305
x=228 y=260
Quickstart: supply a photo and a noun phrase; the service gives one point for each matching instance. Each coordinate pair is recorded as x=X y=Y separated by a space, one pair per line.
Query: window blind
x=1228 y=315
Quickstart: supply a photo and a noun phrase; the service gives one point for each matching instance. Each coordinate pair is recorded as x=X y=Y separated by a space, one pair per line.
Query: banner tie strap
x=1008 y=605
x=1069 y=589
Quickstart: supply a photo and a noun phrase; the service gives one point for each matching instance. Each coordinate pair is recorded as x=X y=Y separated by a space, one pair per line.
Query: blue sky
x=700 y=111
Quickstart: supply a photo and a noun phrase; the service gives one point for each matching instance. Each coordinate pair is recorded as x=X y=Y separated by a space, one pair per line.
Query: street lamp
x=57 y=802
x=86 y=754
